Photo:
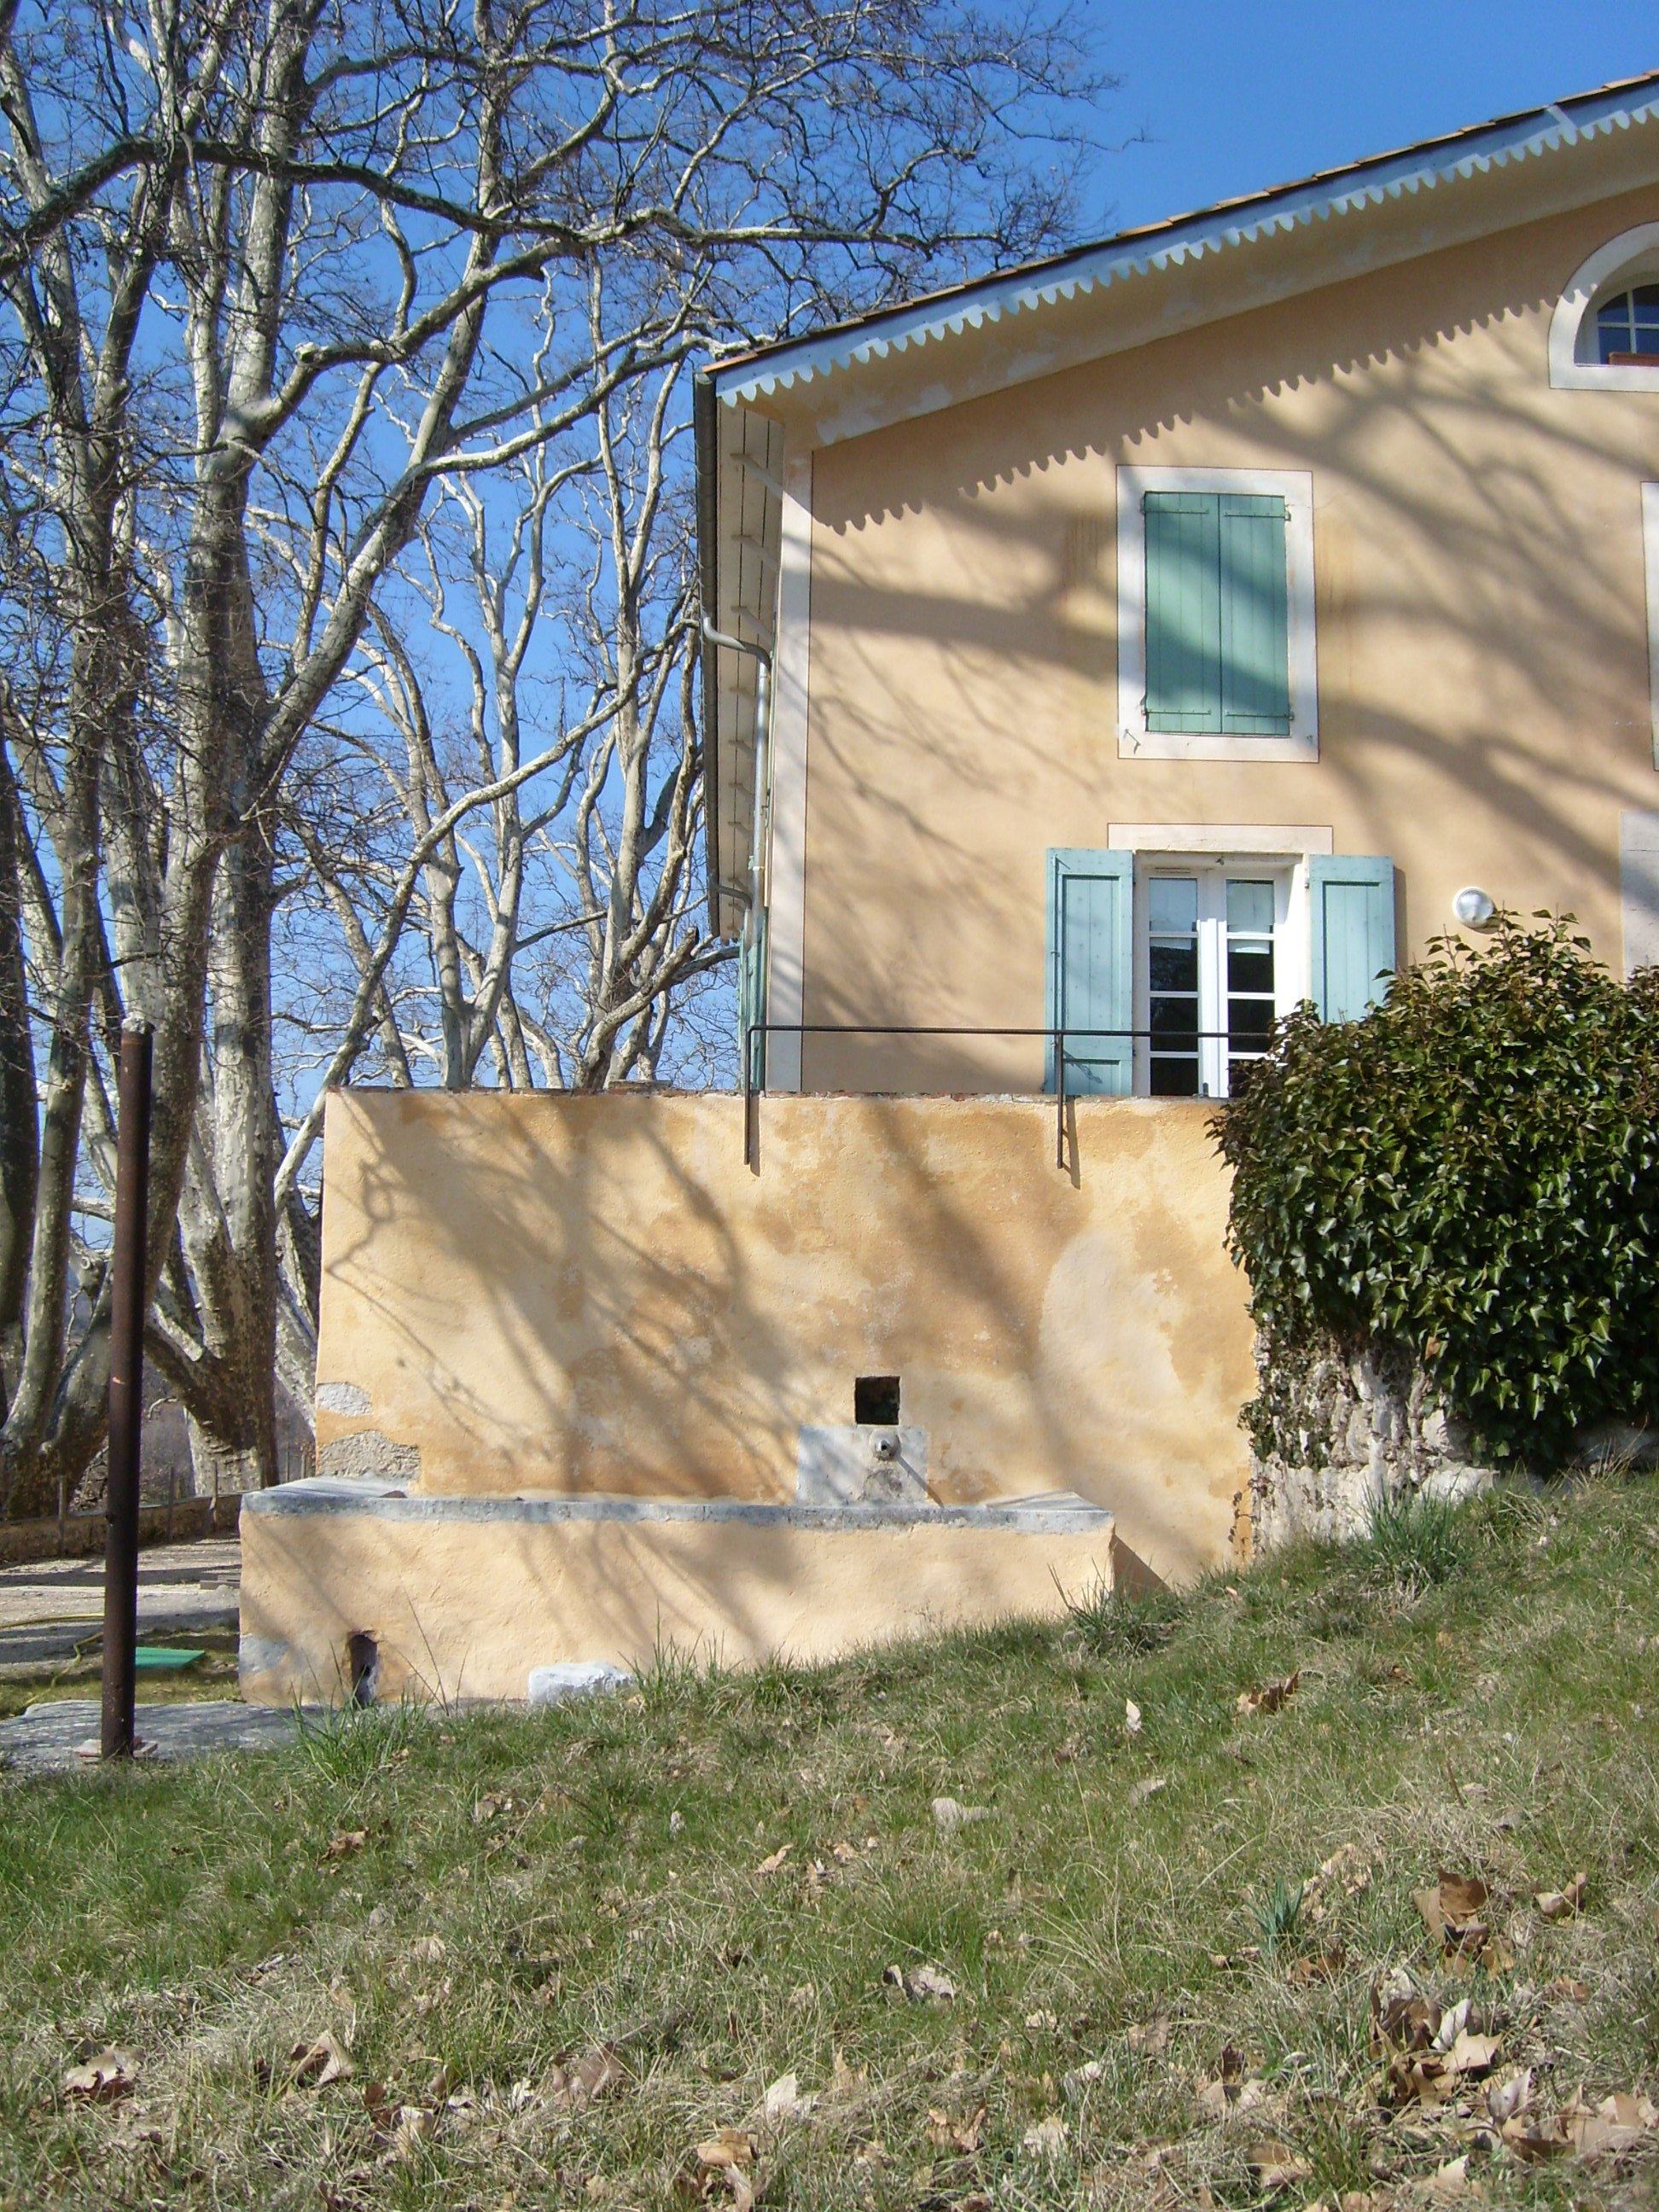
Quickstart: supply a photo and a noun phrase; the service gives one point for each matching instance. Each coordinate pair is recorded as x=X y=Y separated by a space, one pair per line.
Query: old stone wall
x=1338 y=1428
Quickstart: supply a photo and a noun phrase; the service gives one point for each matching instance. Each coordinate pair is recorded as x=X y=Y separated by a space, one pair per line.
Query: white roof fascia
x=788 y=369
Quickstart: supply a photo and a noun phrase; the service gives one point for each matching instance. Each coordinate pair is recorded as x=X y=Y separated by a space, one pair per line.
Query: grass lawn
x=491 y=1959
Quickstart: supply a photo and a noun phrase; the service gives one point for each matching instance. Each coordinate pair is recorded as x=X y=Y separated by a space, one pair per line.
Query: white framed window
x=1216 y=650
x=1220 y=954
x=1604 y=333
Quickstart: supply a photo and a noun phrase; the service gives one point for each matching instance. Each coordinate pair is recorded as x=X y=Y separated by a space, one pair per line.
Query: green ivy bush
x=1470 y=1172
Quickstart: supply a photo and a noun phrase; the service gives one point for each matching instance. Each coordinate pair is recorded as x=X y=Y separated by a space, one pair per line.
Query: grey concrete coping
x=1056 y=1513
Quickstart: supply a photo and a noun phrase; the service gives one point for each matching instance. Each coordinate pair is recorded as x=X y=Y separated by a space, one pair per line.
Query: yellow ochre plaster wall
x=1481 y=635
x=594 y=1295
x=461 y=1609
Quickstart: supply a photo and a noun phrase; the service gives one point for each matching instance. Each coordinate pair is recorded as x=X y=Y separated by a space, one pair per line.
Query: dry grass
x=532 y=1893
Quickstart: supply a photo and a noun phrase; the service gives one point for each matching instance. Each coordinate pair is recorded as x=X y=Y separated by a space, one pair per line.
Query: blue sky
x=1237 y=96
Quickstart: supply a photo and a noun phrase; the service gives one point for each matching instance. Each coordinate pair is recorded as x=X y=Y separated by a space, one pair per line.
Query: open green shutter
x=1183 y=611
x=1256 y=657
x=1090 y=975
x=751 y=1003
x=1352 y=932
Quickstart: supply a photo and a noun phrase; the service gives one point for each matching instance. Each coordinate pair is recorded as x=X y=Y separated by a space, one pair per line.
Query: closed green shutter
x=1255 y=658
x=1183 y=611
x=1217 y=614
x=1352 y=932
x=1090 y=975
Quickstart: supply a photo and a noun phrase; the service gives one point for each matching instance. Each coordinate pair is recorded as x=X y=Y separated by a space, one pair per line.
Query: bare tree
x=277 y=273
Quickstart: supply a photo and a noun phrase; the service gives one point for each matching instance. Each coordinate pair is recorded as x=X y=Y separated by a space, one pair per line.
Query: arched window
x=1627 y=328
x=1604 y=334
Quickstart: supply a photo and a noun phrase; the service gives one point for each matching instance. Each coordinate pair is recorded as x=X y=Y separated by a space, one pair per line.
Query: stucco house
x=1106 y=656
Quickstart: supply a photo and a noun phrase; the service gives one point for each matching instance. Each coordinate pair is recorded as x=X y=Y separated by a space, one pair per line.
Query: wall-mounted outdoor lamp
x=1475 y=908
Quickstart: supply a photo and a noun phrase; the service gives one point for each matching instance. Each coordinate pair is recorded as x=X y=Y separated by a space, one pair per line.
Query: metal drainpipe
x=763 y=824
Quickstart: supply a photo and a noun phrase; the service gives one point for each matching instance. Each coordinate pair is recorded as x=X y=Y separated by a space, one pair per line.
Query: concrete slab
x=61 y=1737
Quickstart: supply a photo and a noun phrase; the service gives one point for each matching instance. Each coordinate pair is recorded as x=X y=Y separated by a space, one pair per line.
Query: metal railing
x=1177 y=1043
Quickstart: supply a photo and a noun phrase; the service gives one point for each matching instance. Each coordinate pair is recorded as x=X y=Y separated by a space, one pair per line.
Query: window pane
x=1175 y=1078
x=1175 y=1018
x=1250 y=1021
x=1174 y=967
x=1250 y=907
x=1613 y=321
x=1646 y=295
x=1251 y=968
x=1172 y=905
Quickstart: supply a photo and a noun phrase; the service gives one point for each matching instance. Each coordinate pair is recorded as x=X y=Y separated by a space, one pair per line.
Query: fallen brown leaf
x=727 y=2146
x=413 y=2126
x=1508 y=2098
x=771 y=1865
x=959 y=2136
x=1563 y=1904
x=1047 y=2139
x=1613 y=2127
x=1402 y=2018
x=1230 y=2089
x=1472 y=2054
x=345 y=1842
x=1451 y=1909
x=1578 y=2130
x=1148 y=2036
x=1275 y=2165
x=314 y=2065
x=108 y=2074
x=1569 y=1989
x=726 y=2157
x=1269 y=1696
x=1131 y=1717
x=574 y=2086
x=1317 y=1966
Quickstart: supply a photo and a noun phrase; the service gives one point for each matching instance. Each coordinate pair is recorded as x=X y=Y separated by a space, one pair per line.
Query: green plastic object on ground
x=163 y=1659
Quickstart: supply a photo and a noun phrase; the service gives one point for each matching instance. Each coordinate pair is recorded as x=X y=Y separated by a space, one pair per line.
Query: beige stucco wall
x=596 y=1295
x=465 y=1608
x=1482 y=654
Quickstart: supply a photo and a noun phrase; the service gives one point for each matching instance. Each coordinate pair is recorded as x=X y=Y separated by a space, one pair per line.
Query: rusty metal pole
x=126 y=1393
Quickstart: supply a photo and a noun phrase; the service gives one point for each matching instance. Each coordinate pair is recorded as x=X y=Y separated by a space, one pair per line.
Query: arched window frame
x=1633 y=257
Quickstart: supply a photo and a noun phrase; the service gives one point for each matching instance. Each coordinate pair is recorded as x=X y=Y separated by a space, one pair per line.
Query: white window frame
x=1632 y=257
x=1135 y=740
x=1291 y=948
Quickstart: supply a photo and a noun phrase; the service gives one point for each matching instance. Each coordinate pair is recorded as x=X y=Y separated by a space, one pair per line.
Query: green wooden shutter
x=1091 y=974
x=1352 y=932
x=1255 y=658
x=1183 y=610
x=751 y=1003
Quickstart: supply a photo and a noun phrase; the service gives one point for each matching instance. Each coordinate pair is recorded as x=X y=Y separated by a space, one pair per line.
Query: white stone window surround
x=1135 y=740
x=1242 y=856
x=1651 y=563
x=1632 y=257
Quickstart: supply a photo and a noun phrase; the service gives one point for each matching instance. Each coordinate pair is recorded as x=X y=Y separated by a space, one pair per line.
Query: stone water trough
x=357 y=1587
